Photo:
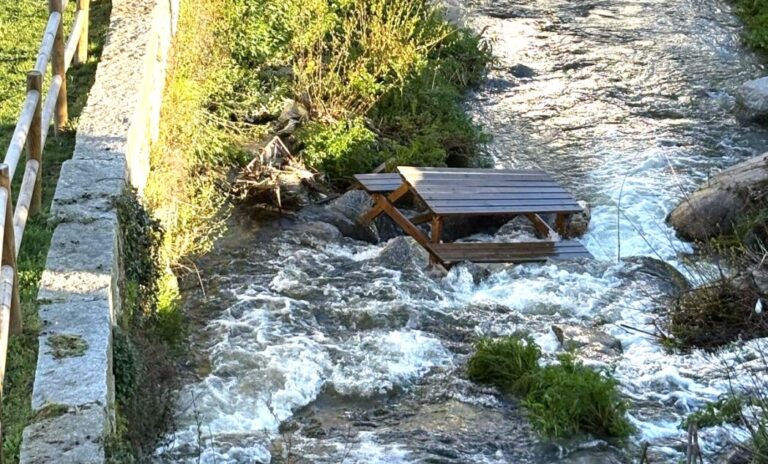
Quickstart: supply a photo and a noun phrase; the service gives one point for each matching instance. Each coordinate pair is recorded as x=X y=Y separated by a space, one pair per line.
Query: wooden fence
x=31 y=132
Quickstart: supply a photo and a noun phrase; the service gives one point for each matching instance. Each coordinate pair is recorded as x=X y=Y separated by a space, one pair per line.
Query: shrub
x=563 y=399
x=724 y=410
x=397 y=64
x=755 y=16
x=506 y=363
x=568 y=398
x=715 y=314
x=339 y=149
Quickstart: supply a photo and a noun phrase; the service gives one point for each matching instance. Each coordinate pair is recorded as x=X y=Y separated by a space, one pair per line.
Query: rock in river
x=752 y=100
x=712 y=209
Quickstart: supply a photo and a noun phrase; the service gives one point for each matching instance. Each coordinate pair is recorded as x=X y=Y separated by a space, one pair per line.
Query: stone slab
x=75 y=437
x=87 y=190
x=85 y=377
x=82 y=264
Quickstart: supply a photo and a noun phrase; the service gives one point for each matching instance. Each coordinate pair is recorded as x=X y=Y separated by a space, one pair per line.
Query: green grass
x=563 y=399
x=21 y=29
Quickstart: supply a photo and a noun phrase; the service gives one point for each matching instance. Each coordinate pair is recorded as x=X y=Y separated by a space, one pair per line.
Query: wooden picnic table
x=448 y=192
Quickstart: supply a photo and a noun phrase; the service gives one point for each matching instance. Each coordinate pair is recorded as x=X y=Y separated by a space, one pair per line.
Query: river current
x=314 y=348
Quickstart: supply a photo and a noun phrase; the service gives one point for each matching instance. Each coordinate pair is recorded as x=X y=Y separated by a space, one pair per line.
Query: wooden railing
x=31 y=132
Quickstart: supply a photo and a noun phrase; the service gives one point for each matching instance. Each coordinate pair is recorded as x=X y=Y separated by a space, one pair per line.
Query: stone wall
x=73 y=395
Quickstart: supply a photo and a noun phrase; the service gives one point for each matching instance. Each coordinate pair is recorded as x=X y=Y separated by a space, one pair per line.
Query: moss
x=563 y=399
x=67 y=345
x=50 y=411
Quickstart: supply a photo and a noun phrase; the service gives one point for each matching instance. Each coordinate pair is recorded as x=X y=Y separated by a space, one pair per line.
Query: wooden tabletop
x=461 y=192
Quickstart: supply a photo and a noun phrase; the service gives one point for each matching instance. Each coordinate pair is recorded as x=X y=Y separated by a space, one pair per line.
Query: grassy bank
x=21 y=29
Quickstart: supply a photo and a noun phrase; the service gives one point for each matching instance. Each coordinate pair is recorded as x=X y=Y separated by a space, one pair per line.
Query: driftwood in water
x=276 y=178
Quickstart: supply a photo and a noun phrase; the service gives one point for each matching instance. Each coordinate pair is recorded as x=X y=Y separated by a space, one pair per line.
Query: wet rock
x=522 y=71
x=402 y=252
x=315 y=233
x=516 y=227
x=752 y=100
x=579 y=222
x=588 y=341
x=343 y=212
x=760 y=278
x=293 y=111
x=715 y=206
x=592 y=457
x=741 y=455
x=671 y=281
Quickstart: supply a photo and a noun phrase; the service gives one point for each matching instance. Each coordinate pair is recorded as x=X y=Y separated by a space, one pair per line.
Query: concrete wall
x=79 y=294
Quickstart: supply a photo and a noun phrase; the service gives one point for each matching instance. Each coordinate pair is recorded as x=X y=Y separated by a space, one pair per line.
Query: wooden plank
x=491 y=192
x=463 y=195
x=410 y=170
x=7 y=277
x=20 y=133
x=379 y=182
x=510 y=252
x=482 y=202
x=541 y=226
x=503 y=210
x=374 y=212
x=9 y=249
x=422 y=218
x=74 y=40
x=480 y=177
x=25 y=200
x=49 y=37
x=49 y=106
x=561 y=224
x=484 y=183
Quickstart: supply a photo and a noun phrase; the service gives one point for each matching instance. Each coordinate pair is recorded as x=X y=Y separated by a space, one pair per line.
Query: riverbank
x=21 y=26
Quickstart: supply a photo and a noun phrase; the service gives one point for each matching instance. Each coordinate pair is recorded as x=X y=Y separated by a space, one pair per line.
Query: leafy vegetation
x=725 y=410
x=563 y=399
x=21 y=26
x=389 y=71
x=755 y=16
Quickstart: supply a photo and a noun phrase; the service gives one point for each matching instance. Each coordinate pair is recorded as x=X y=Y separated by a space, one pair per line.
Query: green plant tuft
x=569 y=398
x=506 y=363
x=563 y=399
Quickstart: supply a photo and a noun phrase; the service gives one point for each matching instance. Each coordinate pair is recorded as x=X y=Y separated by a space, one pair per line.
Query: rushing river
x=316 y=348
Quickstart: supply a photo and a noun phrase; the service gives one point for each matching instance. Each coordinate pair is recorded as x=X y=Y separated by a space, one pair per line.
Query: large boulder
x=715 y=206
x=752 y=100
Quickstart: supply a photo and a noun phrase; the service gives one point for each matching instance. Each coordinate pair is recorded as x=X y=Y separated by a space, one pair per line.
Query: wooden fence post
x=81 y=56
x=34 y=139
x=9 y=250
x=58 y=67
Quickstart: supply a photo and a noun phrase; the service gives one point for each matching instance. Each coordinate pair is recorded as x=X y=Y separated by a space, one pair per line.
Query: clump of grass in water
x=564 y=399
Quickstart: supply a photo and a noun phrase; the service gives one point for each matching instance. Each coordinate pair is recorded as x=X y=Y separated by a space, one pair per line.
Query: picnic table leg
x=561 y=224
x=374 y=212
x=407 y=225
x=539 y=224
x=437 y=231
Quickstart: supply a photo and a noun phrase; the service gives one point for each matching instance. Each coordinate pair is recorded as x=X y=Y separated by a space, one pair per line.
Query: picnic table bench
x=450 y=192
